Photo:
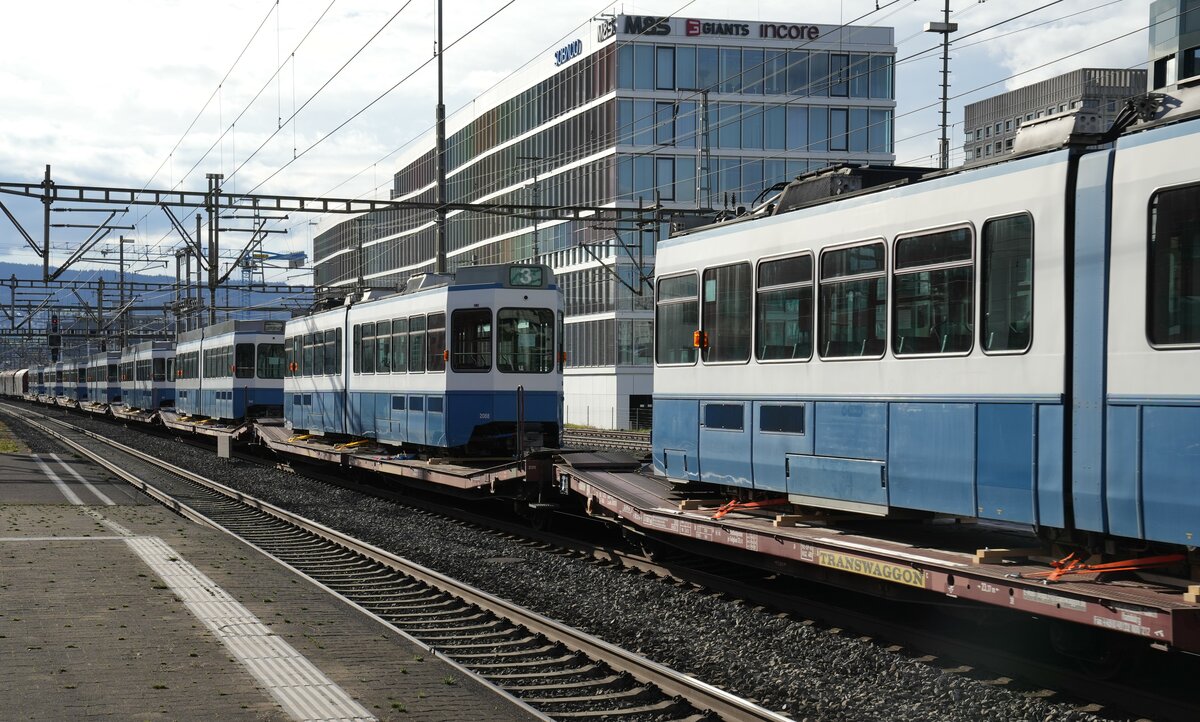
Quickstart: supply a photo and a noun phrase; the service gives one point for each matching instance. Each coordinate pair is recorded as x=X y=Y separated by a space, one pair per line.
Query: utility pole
x=945 y=27
x=121 y=241
x=536 y=200
x=439 y=263
x=214 y=190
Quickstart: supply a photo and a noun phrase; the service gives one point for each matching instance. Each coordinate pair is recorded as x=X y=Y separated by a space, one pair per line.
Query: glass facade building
x=686 y=113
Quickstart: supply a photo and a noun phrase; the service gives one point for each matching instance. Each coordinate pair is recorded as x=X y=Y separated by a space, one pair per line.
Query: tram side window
x=400 y=345
x=471 y=339
x=853 y=313
x=726 y=313
x=676 y=317
x=307 y=365
x=338 y=352
x=356 y=349
x=243 y=360
x=1173 y=268
x=368 y=348
x=170 y=369
x=270 y=361
x=1006 y=298
x=436 y=341
x=383 y=347
x=289 y=358
x=159 y=367
x=416 y=344
x=933 y=293
x=318 y=359
x=784 y=309
x=112 y=374
x=331 y=352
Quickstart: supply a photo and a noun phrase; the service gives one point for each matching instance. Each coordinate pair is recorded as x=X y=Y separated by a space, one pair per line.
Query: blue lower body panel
x=676 y=438
x=1152 y=484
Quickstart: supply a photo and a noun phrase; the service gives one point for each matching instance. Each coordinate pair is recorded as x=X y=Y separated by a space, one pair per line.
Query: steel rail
x=702 y=695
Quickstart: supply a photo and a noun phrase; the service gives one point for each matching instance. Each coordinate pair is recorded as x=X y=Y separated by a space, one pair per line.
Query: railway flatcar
x=1017 y=341
x=469 y=361
x=231 y=371
x=147 y=375
x=103 y=377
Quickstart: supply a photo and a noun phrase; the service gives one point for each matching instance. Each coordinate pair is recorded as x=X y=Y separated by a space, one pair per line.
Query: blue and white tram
x=232 y=370
x=75 y=381
x=102 y=377
x=55 y=386
x=147 y=375
x=463 y=361
x=980 y=343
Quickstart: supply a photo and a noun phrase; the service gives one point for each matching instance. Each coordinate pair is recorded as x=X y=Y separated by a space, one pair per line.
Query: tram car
x=103 y=377
x=469 y=362
x=37 y=382
x=75 y=381
x=55 y=385
x=231 y=370
x=1017 y=341
x=147 y=373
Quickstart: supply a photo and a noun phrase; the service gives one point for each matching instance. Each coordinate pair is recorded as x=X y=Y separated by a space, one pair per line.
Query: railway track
x=634 y=441
x=560 y=671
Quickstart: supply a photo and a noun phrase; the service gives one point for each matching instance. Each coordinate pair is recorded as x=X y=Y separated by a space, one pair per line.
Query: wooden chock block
x=790 y=519
x=694 y=504
x=1193 y=594
x=997 y=556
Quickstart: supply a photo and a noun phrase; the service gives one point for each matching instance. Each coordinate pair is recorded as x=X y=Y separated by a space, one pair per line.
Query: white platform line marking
x=62 y=485
x=99 y=494
x=303 y=691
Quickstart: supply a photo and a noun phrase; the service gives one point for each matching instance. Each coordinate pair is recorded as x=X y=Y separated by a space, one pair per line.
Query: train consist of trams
x=1015 y=343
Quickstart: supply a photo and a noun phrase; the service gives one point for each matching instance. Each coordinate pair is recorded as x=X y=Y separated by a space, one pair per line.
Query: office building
x=685 y=113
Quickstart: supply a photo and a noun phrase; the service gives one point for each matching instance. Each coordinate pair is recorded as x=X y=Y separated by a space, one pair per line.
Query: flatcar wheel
x=1099 y=654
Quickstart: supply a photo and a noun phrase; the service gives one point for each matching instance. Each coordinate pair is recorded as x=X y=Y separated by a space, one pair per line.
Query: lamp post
x=944 y=28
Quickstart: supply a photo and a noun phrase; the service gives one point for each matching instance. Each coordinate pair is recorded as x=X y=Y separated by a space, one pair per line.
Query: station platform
x=116 y=608
x=978 y=562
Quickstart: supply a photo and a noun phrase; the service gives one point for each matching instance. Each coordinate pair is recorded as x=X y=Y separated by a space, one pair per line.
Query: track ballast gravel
x=802 y=671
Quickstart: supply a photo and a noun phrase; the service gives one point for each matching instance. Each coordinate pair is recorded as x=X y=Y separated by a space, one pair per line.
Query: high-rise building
x=1174 y=41
x=991 y=124
x=684 y=113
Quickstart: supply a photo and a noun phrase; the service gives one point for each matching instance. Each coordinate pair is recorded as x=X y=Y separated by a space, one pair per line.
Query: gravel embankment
x=804 y=672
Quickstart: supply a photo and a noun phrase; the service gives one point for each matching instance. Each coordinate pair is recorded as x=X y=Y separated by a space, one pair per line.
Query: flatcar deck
x=236 y=430
x=934 y=560
x=454 y=474
x=142 y=416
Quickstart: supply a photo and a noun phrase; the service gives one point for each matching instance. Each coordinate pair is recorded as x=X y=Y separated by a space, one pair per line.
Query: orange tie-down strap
x=1074 y=564
x=736 y=505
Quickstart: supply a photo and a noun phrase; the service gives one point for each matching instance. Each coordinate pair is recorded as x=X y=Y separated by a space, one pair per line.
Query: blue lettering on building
x=567 y=52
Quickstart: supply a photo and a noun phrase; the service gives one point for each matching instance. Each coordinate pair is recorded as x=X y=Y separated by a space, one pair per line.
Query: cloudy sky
x=156 y=93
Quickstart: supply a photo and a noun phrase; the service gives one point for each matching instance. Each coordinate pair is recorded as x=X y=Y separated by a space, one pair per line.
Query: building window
x=1006 y=315
x=1008 y=126
x=837 y=129
x=664 y=123
x=933 y=293
x=853 y=309
x=726 y=313
x=839 y=75
x=676 y=317
x=731 y=70
x=643 y=67
x=1173 y=268
x=783 y=309
x=664 y=61
x=978 y=133
x=685 y=68
x=707 y=68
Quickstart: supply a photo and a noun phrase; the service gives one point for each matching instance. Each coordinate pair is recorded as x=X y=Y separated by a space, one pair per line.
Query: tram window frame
x=383 y=347
x=510 y=357
x=264 y=353
x=289 y=357
x=368 y=347
x=826 y=281
x=243 y=370
x=931 y=265
x=467 y=344
x=416 y=344
x=718 y=321
x=1158 y=278
x=688 y=352
x=329 y=347
x=435 y=343
x=986 y=241
x=337 y=355
x=761 y=290
x=306 y=361
x=400 y=345
x=355 y=349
